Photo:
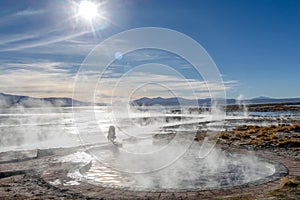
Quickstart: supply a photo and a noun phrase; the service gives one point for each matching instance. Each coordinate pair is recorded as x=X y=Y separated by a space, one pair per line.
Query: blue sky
x=255 y=44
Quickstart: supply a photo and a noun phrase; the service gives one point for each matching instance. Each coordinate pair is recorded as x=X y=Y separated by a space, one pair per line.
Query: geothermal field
x=187 y=153
x=149 y=99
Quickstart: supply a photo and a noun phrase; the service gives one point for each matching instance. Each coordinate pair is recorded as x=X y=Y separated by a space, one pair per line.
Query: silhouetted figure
x=111 y=136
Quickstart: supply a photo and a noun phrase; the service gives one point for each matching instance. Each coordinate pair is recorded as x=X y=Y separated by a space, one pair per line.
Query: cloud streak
x=43 y=78
x=45 y=42
x=19 y=15
x=141 y=84
x=41 y=67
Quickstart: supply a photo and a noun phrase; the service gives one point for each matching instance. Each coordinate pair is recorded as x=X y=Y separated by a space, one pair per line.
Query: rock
x=286 y=182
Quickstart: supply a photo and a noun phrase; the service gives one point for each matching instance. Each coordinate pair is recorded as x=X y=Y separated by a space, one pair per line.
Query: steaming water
x=32 y=128
x=268 y=114
x=218 y=169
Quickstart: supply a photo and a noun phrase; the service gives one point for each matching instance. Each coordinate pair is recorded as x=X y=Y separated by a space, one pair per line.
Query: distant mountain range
x=8 y=100
x=206 y=102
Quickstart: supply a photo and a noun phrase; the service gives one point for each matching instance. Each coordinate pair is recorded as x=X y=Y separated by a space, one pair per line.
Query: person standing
x=111 y=136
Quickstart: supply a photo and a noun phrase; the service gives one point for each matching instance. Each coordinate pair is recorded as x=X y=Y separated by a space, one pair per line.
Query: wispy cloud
x=44 y=42
x=55 y=53
x=35 y=83
x=19 y=15
x=15 y=38
x=42 y=78
x=137 y=85
x=52 y=28
x=37 y=77
x=27 y=12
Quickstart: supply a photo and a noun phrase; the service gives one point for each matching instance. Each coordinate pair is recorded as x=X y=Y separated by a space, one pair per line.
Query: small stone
x=295 y=154
x=286 y=182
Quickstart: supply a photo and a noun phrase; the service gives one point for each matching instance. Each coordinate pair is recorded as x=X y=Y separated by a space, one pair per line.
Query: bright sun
x=87 y=10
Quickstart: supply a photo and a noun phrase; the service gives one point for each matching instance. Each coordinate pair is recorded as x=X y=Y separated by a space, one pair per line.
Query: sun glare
x=87 y=10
